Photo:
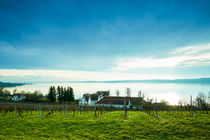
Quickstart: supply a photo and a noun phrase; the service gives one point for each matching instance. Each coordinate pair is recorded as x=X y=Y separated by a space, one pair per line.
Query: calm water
x=169 y=92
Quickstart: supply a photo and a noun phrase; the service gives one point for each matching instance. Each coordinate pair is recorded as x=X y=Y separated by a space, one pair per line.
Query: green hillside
x=109 y=126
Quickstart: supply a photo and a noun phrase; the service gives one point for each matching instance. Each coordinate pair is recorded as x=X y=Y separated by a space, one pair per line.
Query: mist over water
x=170 y=92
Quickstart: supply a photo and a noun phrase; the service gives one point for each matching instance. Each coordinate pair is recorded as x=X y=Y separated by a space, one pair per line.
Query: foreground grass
x=109 y=126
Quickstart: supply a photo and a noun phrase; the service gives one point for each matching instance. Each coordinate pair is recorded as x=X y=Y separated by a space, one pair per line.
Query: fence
x=45 y=110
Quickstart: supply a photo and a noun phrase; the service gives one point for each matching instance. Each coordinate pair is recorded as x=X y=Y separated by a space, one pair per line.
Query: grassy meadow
x=111 y=125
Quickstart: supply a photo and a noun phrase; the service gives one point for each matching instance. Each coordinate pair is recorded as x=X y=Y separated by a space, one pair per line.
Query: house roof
x=104 y=93
x=94 y=96
x=135 y=101
x=18 y=95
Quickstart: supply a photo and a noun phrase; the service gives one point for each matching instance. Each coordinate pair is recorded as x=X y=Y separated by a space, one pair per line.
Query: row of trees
x=201 y=101
x=4 y=93
x=61 y=93
x=128 y=93
x=35 y=96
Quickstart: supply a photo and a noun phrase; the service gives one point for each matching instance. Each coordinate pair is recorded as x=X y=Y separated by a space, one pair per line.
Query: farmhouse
x=102 y=98
x=18 y=97
x=91 y=99
x=119 y=102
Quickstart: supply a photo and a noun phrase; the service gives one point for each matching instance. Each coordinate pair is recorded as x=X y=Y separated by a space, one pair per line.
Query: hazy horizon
x=205 y=80
x=172 y=92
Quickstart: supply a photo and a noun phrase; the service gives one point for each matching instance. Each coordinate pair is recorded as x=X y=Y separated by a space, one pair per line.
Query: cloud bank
x=189 y=56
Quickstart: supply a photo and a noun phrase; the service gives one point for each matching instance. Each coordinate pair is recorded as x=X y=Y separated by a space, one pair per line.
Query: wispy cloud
x=189 y=56
x=196 y=55
x=11 y=50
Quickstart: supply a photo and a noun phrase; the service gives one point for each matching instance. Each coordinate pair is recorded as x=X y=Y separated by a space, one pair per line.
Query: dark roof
x=94 y=96
x=104 y=93
x=18 y=95
x=135 y=101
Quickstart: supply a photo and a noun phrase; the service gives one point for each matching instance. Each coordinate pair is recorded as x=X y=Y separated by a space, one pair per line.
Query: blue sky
x=109 y=40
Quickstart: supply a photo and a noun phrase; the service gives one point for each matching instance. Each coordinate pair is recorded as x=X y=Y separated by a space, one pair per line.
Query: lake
x=172 y=92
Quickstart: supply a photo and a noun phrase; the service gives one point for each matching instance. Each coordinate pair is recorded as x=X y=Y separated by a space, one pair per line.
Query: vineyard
x=70 y=121
x=22 y=110
x=45 y=110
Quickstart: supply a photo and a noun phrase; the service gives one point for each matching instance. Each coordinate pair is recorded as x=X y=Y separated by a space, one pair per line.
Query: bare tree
x=143 y=96
x=128 y=92
x=180 y=102
x=201 y=102
x=164 y=102
x=117 y=93
x=139 y=93
x=14 y=91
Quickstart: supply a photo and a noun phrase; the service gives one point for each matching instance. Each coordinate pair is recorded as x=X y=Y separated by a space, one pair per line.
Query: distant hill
x=184 y=81
x=4 y=85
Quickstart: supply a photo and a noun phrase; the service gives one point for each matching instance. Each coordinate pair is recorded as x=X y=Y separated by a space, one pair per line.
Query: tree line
x=62 y=94
x=35 y=96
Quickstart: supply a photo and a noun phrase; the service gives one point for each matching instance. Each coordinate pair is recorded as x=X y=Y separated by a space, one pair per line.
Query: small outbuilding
x=91 y=99
x=18 y=97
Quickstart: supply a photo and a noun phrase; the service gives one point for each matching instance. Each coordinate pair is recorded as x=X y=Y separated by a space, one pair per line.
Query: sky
x=74 y=40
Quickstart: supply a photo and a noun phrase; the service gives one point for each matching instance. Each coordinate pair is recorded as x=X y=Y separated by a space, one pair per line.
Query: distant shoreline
x=8 y=84
x=158 y=81
x=175 y=81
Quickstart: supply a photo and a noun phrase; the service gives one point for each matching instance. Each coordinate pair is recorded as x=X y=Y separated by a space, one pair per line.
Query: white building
x=91 y=99
x=102 y=98
x=18 y=97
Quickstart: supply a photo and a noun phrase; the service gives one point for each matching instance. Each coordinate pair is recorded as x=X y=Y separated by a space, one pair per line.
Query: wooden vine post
x=66 y=110
x=191 y=105
x=125 y=107
x=40 y=115
x=15 y=109
x=95 y=110
x=156 y=108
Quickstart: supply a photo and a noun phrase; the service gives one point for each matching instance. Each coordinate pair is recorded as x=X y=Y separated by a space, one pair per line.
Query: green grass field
x=109 y=126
